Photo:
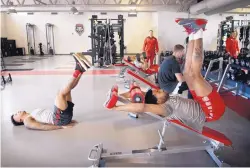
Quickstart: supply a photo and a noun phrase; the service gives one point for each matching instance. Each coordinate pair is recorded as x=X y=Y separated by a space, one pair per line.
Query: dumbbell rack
x=219 y=70
x=234 y=89
x=222 y=82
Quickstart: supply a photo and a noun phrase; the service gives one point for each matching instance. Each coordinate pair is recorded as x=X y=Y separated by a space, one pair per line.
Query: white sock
x=198 y=34
x=191 y=37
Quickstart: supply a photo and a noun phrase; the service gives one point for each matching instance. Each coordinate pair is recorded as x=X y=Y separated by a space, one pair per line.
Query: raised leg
x=200 y=85
x=195 y=28
x=64 y=94
x=188 y=63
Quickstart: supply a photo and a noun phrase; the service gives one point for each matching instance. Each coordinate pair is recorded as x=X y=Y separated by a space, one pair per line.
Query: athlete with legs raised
x=61 y=116
x=207 y=104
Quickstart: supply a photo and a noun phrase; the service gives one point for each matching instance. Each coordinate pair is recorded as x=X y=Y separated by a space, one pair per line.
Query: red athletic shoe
x=114 y=89
x=112 y=99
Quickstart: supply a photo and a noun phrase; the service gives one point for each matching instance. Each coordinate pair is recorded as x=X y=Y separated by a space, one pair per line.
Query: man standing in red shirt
x=150 y=46
x=232 y=46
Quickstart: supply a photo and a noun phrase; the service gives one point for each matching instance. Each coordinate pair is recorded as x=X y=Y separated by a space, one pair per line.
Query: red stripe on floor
x=238 y=104
x=60 y=72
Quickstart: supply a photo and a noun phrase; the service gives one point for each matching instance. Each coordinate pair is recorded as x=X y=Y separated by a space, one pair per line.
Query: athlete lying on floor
x=61 y=116
x=207 y=104
x=140 y=62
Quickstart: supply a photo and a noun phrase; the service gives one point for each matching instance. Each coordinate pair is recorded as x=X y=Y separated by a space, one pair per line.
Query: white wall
x=136 y=29
x=66 y=39
x=3 y=25
x=171 y=33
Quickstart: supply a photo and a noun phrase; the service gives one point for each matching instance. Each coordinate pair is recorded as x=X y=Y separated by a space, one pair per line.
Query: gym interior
x=39 y=41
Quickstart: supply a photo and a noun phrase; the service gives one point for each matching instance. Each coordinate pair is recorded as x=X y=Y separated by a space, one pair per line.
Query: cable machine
x=31 y=43
x=50 y=38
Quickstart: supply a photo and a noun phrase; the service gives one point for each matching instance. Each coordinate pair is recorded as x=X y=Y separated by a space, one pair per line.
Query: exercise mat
x=14 y=64
x=23 y=61
x=18 y=69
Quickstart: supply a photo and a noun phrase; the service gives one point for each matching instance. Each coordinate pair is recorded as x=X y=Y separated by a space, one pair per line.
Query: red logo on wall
x=79 y=29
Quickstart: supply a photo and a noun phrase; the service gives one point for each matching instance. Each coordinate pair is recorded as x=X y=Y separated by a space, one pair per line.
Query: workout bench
x=130 y=66
x=211 y=141
x=145 y=81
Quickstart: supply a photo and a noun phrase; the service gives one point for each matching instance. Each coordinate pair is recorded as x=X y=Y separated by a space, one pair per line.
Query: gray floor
x=117 y=131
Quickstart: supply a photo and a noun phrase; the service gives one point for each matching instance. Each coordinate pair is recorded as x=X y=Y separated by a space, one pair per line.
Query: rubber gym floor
x=118 y=132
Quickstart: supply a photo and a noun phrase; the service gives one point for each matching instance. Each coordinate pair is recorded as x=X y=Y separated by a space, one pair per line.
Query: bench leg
x=216 y=159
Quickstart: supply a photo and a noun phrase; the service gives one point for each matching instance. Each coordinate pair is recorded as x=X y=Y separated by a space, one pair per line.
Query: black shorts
x=63 y=117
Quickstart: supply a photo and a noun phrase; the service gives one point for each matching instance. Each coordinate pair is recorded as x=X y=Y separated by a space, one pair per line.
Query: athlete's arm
x=31 y=123
x=141 y=108
x=127 y=94
x=179 y=77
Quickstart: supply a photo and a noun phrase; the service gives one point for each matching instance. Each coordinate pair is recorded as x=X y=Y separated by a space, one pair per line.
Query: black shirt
x=166 y=76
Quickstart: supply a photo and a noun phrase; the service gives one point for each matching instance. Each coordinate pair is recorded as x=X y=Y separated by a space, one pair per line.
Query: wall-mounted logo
x=79 y=29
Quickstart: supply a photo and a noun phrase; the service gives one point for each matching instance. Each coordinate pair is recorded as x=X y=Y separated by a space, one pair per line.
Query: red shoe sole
x=201 y=21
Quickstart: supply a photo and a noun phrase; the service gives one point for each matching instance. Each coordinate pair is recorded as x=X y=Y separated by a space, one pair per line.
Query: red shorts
x=212 y=105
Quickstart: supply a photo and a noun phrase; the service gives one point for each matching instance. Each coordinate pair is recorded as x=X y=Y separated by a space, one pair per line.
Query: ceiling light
x=132 y=13
x=103 y=13
x=11 y=11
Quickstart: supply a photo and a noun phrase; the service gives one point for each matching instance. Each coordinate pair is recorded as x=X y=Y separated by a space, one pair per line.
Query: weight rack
x=234 y=89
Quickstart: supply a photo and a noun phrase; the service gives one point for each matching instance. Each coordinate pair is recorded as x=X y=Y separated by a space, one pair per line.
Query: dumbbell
x=136 y=94
x=230 y=72
x=244 y=61
x=233 y=60
x=237 y=61
x=248 y=80
x=247 y=62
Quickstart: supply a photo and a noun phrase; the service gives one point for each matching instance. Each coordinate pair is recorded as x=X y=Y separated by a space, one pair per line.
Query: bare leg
x=64 y=94
x=200 y=85
x=68 y=96
x=188 y=63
